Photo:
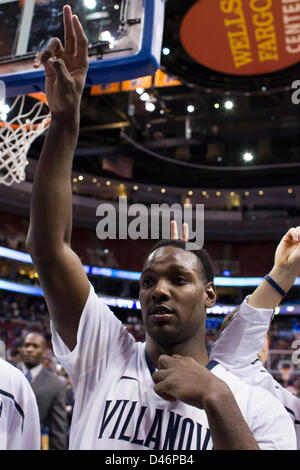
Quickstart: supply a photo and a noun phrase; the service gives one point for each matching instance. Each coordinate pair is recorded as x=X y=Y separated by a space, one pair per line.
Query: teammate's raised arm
x=252 y=318
x=283 y=274
x=61 y=275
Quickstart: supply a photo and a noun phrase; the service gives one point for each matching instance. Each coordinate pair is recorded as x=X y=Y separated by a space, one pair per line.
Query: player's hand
x=182 y=378
x=65 y=66
x=174 y=231
x=287 y=255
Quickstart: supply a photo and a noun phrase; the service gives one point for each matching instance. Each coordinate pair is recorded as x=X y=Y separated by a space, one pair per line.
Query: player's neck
x=197 y=352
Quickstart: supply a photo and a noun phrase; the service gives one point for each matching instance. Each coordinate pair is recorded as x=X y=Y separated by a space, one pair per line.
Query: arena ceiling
x=204 y=148
x=196 y=155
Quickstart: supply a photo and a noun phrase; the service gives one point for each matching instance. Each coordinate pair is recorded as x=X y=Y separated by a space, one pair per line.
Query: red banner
x=243 y=37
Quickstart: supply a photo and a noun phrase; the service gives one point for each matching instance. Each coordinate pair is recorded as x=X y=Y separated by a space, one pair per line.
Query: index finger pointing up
x=70 y=37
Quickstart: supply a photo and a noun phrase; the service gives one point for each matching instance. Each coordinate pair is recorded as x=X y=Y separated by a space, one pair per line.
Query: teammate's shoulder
x=237 y=384
x=9 y=369
x=12 y=380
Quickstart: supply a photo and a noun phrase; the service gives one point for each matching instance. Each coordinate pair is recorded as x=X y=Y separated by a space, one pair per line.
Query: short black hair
x=202 y=255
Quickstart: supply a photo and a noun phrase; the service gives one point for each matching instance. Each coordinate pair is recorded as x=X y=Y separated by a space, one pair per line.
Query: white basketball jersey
x=116 y=407
x=237 y=349
x=19 y=416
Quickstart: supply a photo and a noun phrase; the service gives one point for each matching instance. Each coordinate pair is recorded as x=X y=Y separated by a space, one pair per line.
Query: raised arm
x=243 y=334
x=61 y=274
x=284 y=272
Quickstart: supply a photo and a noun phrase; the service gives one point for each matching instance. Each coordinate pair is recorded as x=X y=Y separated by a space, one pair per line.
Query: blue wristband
x=275 y=286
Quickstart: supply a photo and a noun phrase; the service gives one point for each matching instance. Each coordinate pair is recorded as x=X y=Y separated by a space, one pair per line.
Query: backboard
x=124 y=39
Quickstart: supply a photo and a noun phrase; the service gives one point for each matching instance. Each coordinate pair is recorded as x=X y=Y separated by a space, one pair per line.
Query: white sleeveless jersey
x=237 y=349
x=19 y=416
x=116 y=407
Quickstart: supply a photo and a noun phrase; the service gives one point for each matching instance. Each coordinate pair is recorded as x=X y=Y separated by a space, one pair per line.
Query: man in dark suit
x=50 y=392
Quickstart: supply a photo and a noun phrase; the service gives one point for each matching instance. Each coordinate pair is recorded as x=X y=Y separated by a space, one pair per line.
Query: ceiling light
x=248 y=157
x=166 y=51
x=190 y=108
x=90 y=4
x=106 y=36
x=216 y=105
x=145 y=96
x=139 y=90
x=229 y=104
x=150 y=106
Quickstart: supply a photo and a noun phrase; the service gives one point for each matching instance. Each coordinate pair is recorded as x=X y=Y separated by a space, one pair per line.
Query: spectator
x=49 y=390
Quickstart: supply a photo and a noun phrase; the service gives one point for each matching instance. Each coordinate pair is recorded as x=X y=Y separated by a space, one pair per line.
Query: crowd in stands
x=237 y=257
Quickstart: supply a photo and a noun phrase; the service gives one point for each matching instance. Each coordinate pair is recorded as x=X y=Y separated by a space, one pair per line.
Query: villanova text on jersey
x=166 y=430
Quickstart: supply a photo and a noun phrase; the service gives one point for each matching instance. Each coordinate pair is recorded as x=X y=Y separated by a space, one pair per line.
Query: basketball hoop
x=17 y=134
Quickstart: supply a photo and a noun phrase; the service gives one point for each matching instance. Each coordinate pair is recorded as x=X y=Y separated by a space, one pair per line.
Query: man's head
x=205 y=262
x=175 y=289
x=33 y=350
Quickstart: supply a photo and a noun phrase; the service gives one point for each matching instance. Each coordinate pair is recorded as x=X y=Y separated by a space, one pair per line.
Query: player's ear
x=210 y=294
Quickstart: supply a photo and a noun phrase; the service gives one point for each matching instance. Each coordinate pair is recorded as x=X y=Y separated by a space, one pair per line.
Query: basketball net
x=17 y=135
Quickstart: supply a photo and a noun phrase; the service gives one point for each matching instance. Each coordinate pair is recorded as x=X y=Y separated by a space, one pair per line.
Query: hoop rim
x=39 y=96
x=26 y=126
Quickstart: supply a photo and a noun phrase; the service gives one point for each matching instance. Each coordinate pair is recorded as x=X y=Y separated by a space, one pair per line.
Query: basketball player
x=161 y=394
x=243 y=338
x=19 y=416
